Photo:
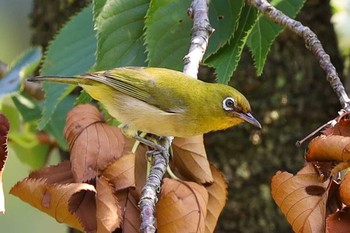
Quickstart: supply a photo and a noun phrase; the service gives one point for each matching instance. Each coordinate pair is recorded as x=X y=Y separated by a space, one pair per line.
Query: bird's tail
x=76 y=80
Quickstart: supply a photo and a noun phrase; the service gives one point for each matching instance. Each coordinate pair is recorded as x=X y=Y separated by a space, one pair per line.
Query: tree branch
x=152 y=186
x=200 y=34
x=311 y=42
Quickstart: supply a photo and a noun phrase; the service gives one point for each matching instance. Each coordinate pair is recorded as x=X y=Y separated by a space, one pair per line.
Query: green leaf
x=56 y=125
x=71 y=52
x=35 y=155
x=28 y=108
x=83 y=98
x=23 y=137
x=224 y=17
x=167 y=34
x=225 y=61
x=25 y=65
x=265 y=32
x=54 y=94
x=12 y=115
x=98 y=7
x=119 y=25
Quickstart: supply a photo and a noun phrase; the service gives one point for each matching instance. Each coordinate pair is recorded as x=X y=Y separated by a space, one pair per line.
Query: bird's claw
x=148 y=142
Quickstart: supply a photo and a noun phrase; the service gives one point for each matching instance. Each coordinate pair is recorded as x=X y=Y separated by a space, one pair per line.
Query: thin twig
x=311 y=42
x=313 y=133
x=200 y=34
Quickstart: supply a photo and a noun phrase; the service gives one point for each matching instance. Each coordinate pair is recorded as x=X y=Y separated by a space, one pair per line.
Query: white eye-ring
x=229 y=103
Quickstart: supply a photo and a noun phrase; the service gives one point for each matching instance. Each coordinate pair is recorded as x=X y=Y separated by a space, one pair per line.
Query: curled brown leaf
x=108 y=213
x=338 y=222
x=93 y=144
x=121 y=172
x=4 y=129
x=59 y=174
x=344 y=190
x=140 y=170
x=78 y=119
x=55 y=199
x=217 y=199
x=302 y=198
x=329 y=148
x=182 y=207
x=190 y=159
x=342 y=127
x=82 y=204
x=128 y=201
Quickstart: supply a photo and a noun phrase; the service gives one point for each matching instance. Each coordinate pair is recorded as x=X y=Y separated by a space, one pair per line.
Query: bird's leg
x=158 y=148
x=148 y=142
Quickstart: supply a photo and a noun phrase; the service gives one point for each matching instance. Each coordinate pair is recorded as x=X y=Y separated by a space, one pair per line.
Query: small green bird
x=163 y=102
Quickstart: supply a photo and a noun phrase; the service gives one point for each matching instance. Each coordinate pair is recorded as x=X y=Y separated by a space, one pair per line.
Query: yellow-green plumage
x=162 y=101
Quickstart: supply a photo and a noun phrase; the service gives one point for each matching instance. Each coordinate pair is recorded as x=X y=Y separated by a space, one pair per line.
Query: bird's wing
x=140 y=84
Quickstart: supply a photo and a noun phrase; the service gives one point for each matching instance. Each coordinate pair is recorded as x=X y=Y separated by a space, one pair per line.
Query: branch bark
x=200 y=34
x=152 y=186
x=311 y=42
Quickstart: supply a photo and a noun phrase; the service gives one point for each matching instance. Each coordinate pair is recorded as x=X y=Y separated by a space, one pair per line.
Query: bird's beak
x=248 y=117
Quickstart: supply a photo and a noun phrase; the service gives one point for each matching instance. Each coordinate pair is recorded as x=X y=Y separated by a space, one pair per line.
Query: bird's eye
x=229 y=103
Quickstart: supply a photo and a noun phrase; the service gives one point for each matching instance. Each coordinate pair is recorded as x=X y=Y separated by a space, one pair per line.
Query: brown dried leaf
x=338 y=222
x=324 y=169
x=344 y=190
x=327 y=169
x=302 y=199
x=341 y=128
x=190 y=159
x=217 y=199
x=78 y=119
x=54 y=200
x=182 y=207
x=83 y=205
x=59 y=174
x=333 y=203
x=339 y=167
x=140 y=166
x=108 y=213
x=4 y=129
x=93 y=144
x=329 y=148
x=131 y=216
x=121 y=173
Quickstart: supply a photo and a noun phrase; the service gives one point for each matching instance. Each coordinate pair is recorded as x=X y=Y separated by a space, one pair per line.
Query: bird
x=162 y=101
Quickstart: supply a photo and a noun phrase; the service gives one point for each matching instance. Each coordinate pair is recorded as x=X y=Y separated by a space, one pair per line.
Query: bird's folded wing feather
x=137 y=84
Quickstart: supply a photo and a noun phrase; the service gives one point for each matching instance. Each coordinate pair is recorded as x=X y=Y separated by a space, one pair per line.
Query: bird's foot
x=151 y=142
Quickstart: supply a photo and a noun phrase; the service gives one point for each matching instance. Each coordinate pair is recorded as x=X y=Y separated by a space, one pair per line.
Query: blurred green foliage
x=14 y=28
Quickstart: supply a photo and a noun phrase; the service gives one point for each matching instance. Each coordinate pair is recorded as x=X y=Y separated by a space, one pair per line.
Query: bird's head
x=235 y=107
